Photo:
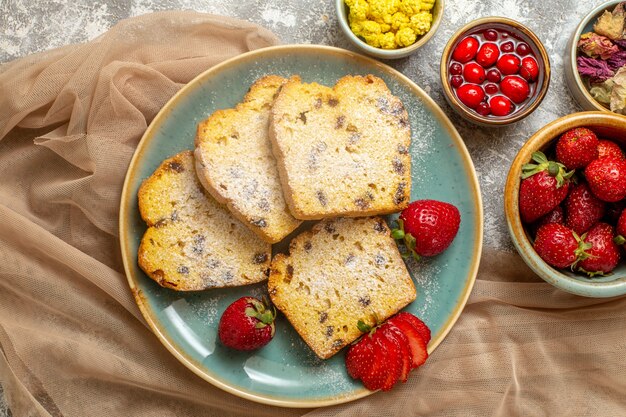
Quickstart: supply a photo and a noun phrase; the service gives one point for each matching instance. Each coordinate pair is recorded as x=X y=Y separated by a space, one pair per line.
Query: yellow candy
x=390 y=24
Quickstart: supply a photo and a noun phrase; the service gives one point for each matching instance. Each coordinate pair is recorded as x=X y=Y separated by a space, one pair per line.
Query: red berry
x=494 y=75
x=613 y=212
x=522 y=49
x=529 y=69
x=609 y=148
x=394 y=356
x=456 y=81
x=429 y=226
x=577 y=147
x=515 y=88
x=246 y=324
x=406 y=355
x=483 y=109
x=543 y=187
x=417 y=344
x=487 y=54
x=555 y=216
x=583 y=209
x=490 y=35
x=607 y=178
x=419 y=325
x=491 y=89
x=456 y=69
x=557 y=245
x=508 y=64
x=603 y=253
x=465 y=50
x=473 y=73
x=500 y=105
x=360 y=357
x=375 y=378
x=471 y=95
x=507 y=46
x=621 y=224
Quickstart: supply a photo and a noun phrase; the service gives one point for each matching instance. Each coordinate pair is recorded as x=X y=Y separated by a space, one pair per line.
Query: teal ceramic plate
x=286 y=372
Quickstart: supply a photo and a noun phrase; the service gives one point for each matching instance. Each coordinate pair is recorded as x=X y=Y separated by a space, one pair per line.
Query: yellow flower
x=382 y=10
x=387 y=40
x=399 y=19
x=359 y=9
x=410 y=7
x=427 y=5
x=420 y=22
x=405 y=37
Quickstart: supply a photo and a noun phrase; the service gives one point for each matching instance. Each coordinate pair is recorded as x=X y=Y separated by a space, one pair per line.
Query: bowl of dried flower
x=595 y=61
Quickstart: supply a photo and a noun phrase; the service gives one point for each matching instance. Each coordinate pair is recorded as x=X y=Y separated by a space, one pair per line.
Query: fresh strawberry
x=428 y=227
x=621 y=224
x=419 y=325
x=386 y=353
x=247 y=324
x=544 y=185
x=360 y=357
x=583 y=209
x=559 y=246
x=378 y=372
x=407 y=357
x=620 y=229
x=577 y=147
x=609 y=148
x=604 y=252
x=419 y=353
x=555 y=216
x=394 y=357
x=607 y=178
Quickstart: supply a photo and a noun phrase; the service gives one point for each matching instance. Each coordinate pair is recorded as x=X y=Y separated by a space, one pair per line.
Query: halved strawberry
x=394 y=356
x=378 y=374
x=407 y=357
x=360 y=357
x=416 y=341
x=419 y=325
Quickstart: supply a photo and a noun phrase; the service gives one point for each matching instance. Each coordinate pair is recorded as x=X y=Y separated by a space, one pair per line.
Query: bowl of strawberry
x=565 y=203
x=494 y=71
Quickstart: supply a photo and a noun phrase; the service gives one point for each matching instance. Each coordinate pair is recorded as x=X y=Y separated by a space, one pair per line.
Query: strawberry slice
x=378 y=374
x=419 y=325
x=394 y=356
x=416 y=341
x=360 y=357
x=407 y=357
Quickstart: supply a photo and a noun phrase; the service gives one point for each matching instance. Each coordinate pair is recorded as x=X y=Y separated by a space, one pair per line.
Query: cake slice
x=341 y=271
x=192 y=242
x=235 y=164
x=341 y=151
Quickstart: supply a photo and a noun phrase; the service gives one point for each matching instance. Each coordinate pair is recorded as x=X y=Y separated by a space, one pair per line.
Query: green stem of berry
x=555 y=169
x=581 y=251
x=619 y=240
x=408 y=239
x=262 y=313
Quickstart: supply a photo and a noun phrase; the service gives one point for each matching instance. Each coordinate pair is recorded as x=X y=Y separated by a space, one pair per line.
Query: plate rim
x=159 y=119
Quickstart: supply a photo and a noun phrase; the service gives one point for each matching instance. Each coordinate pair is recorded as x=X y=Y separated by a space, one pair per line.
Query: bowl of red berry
x=494 y=71
x=565 y=203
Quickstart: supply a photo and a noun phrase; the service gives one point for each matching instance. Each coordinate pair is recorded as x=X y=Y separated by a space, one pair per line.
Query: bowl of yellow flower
x=389 y=29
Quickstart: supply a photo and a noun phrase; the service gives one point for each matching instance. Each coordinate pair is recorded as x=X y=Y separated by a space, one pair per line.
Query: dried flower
x=602 y=92
x=597 y=70
x=617 y=60
x=618 y=93
x=611 y=24
x=594 y=46
x=621 y=44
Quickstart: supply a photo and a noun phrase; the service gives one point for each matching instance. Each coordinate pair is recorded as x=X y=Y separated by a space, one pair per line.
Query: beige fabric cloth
x=72 y=340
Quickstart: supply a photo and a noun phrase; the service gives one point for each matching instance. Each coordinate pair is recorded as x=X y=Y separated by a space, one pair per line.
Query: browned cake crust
x=341 y=151
x=342 y=271
x=234 y=162
x=192 y=242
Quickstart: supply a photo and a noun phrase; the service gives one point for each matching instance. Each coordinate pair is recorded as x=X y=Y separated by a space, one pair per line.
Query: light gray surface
x=28 y=26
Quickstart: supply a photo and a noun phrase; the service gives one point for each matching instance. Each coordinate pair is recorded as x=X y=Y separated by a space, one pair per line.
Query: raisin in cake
x=342 y=271
x=235 y=164
x=341 y=151
x=192 y=242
